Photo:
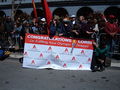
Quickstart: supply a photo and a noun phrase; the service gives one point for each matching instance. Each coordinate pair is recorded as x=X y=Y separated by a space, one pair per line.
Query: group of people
x=86 y=27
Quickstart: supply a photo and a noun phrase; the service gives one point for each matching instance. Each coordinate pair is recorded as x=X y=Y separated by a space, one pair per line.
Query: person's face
x=36 y=24
x=95 y=20
x=27 y=24
x=81 y=18
x=54 y=21
x=73 y=18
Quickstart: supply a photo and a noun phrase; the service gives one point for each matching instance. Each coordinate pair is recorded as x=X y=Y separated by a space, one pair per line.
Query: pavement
x=16 y=55
x=14 y=77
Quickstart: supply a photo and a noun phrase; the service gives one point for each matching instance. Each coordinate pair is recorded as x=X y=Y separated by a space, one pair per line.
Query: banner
x=48 y=14
x=58 y=53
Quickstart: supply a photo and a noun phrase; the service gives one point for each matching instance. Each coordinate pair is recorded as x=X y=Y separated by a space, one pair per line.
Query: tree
x=13 y=12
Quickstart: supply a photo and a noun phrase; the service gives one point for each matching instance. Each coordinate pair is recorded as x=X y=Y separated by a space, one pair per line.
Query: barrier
x=10 y=41
x=114 y=45
x=6 y=42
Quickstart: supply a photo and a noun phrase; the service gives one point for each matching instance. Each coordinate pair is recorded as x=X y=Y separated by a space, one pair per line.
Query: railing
x=14 y=42
x=114 y=45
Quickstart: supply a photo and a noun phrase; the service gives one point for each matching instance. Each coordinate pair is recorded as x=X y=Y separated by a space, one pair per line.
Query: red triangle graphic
x=89 y=59
x=33 y=62
x=73 y=59
x=80 y=66
x=66 y=50
x=57 y=57
x=34 y=46
x=82 y=52
x=65 y=65
x=41 y=55
x=48 y=63
x=25 y=53
x=49 y=48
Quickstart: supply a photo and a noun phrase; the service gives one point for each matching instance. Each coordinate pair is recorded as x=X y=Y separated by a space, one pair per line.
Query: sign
x=59 y=53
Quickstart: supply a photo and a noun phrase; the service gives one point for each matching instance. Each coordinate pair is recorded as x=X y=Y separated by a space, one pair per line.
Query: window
x=3 y=0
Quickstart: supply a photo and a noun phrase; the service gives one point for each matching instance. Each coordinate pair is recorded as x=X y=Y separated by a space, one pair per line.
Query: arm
x=103 y=17
x=102 y=50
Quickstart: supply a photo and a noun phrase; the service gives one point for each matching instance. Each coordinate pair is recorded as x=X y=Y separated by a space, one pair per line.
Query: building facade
x=62 y=7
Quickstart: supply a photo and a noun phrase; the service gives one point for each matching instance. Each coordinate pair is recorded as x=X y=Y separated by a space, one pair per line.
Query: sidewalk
x=16 y=55
x=115 y=63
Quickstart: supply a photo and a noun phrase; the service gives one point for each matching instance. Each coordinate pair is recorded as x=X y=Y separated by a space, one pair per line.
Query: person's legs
x=93 y=63
x=101 y=64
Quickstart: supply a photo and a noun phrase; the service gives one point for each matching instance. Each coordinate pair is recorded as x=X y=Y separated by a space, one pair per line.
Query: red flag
x=48 y=14
x=34 y=10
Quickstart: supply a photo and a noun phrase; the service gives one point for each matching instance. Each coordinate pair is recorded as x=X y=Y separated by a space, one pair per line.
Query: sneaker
x=102 y=69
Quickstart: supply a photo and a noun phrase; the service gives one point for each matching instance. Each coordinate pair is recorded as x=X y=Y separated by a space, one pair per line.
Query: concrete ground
x=14 y=77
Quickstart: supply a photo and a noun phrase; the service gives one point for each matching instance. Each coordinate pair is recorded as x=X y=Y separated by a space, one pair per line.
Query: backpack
x=1 y=53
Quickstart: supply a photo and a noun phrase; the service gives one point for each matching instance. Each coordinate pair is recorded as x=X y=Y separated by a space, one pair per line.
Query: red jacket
x=111 y=28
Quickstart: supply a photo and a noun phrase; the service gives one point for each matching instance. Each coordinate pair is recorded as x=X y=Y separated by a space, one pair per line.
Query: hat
x=73 y=16
x=111 y=16
x=43 y=19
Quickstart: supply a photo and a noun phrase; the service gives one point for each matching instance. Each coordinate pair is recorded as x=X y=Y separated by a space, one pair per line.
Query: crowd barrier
x=13 y=42
x=114 y=45
x=10 y=41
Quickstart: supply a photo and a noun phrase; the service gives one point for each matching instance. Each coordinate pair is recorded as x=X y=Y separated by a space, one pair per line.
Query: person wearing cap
x=73 y=19
x=43 y=26
x=75 y=27
x=43 y=19
x=111 y=26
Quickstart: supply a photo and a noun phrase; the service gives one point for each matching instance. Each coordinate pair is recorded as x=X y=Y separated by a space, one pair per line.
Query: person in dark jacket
x=100 y=55
x=60 y=27
x=53 y=27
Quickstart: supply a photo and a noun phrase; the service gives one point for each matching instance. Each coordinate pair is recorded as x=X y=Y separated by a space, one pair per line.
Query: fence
x=14 y=42
x=10 y=41
x=114 y=43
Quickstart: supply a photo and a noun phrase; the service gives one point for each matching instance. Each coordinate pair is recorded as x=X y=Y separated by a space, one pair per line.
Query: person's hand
x=61 y=34
x=89 y=32
x=112 y=34
x=75 y=32
x=21 y=37
x=12 y=32
x=95 y=44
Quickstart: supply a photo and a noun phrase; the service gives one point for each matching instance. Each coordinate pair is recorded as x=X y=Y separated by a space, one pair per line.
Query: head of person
x=81 y=18
x=66 y=20
x=8 y=19
x=111 y=18
x=73 y=17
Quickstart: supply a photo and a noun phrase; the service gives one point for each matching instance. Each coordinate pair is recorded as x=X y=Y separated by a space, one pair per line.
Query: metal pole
x=12 y=12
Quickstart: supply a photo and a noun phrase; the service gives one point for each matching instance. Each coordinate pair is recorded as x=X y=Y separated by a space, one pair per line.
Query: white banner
x=58 y=53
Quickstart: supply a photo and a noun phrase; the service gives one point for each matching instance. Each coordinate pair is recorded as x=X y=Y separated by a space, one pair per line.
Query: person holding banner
x=61 y=27
x=53 y=27
x=100 y=55
x=66 y=29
